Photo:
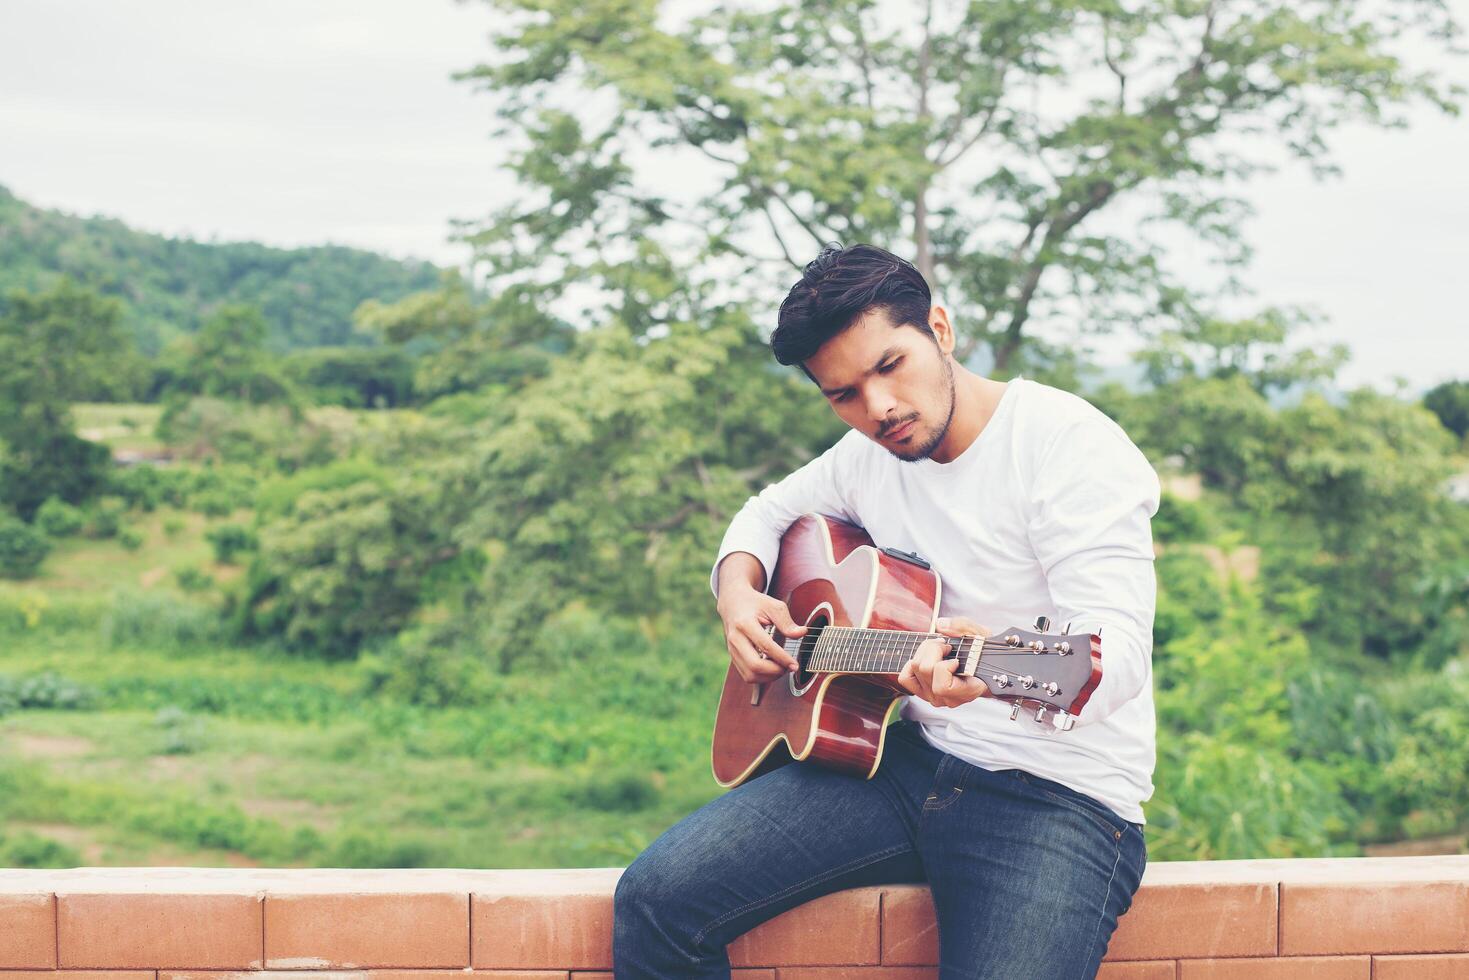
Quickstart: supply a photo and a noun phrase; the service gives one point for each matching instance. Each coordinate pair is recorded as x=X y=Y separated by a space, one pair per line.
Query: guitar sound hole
x=808 y=645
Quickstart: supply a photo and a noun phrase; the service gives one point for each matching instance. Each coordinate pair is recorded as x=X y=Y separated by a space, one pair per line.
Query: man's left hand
x=932 y=678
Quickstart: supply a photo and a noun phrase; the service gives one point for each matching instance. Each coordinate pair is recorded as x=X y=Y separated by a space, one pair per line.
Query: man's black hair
x=837 y=288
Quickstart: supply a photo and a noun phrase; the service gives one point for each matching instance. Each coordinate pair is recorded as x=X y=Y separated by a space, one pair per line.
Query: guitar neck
x=855 y=650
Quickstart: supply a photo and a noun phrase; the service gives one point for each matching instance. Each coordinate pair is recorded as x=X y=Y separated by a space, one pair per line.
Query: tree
x=466 y=342
x=949 y=130
x=609 y=481
x=56 y=347
x=1450 y=402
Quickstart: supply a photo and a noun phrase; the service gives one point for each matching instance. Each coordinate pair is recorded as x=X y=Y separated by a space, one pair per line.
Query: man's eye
x=842 y=397
x=890 y=365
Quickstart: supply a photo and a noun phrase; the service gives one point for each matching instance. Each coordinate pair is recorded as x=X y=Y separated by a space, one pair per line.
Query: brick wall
x=1384 y=918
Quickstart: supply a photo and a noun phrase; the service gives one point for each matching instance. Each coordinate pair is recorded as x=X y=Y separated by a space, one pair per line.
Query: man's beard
x=925 y=450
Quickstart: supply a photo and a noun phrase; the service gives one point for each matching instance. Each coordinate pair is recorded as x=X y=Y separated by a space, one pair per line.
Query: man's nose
x=880 y=404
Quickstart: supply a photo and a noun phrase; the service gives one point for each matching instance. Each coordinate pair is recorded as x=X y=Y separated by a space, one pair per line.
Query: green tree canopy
x=948 y=130
x=56 y=347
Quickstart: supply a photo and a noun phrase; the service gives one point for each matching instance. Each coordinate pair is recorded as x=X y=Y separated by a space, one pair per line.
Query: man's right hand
x=746 y=612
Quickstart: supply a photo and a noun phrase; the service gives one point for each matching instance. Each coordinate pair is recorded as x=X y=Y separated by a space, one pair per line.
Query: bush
x=130 y=538
x=45 y=690
x=182 y=733
x=192 y=578
x=22 y=547
x=172 y=526
x=214 y=503
x=229 y=540
x=158 y=620
x=1180 y=520
x=105 y=518
x=28 y=850
x=59 y=519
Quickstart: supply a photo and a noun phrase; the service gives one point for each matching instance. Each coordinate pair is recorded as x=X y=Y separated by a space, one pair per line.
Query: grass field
x=136 y=736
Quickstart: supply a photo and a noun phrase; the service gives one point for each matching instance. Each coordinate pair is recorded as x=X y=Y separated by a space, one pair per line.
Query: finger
x=765 y=643
x=907 y=682
x=920 y=679
x=943 y=685
x=780 y=615
x=960 y=626
x=748 y=661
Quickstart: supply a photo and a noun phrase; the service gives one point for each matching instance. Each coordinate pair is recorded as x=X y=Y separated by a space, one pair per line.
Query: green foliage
x=1179 y=520
x=44 y=690
x=355 y=377
x=30 y=850
x=192 y=578
x=954 y=136
x=104 y=518
x=56 y=347
x=158 y=621
x=227 y=358
x=179 y=732
x=230 y=541
x=1228 y=783
x=346 y=566
x=169 y=286
x=619 y=496
x=22 y=547
x=206 y=427
x=1450 y=402
x=130 y=538
x=58 y=519
x=468 y=343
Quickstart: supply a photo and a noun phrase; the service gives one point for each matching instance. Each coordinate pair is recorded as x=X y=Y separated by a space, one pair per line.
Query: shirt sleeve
x=1094 y=494
x=821 y=487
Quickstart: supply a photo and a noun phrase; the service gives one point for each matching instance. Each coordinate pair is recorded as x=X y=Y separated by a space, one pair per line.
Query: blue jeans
x=1028 y=877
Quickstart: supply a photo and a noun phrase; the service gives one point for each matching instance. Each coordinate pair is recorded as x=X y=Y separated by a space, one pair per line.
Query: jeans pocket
x=1103 y=815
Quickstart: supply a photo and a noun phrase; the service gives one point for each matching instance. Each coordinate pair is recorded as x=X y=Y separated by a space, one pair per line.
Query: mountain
x=170 y=285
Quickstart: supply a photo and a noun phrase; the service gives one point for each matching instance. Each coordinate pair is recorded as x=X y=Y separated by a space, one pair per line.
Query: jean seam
x=1107 y=898
x=853 y=865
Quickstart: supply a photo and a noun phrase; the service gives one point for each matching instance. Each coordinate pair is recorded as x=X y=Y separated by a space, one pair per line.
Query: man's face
x=892 y=384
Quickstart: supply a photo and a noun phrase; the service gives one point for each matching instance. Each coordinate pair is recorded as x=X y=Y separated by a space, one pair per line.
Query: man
x=1026 y=501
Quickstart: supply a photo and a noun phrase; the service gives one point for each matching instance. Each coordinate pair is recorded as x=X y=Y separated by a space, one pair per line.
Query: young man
x=1027 y=502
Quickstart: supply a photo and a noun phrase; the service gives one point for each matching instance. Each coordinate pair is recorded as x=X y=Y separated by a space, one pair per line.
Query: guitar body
x=829 y=574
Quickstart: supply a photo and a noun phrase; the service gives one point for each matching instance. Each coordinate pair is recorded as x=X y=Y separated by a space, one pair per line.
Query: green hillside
x=170 y=285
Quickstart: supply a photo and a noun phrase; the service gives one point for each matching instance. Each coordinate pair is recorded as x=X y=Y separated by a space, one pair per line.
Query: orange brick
x=263 y=975
x=173 y=931
x=324 y=931
x=1284 y=968
x=857 y=973
x=806 y=936
x=76 y=975
x=28 y=938
x=520 y=931
x=597 y=975
x=1449 y=966
x=1179 y=919
x=1374 y=917
x=910 y=933
x=1151 y=970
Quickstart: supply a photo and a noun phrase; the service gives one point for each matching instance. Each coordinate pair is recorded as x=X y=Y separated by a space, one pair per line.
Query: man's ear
x=943 y=330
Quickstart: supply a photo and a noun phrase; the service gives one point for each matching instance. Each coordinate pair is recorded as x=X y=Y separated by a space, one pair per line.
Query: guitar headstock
x=1050 y=674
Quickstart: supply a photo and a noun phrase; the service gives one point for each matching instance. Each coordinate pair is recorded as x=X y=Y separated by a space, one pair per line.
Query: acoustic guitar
x=866 y=610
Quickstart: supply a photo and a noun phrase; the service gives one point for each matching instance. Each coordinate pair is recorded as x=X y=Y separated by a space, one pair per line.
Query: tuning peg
x=1042 y=624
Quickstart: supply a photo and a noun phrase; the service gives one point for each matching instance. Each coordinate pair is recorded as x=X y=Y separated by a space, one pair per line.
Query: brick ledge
x=1325 y=918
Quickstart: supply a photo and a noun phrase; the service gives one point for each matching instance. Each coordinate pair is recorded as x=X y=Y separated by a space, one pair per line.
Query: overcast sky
x=308 y=121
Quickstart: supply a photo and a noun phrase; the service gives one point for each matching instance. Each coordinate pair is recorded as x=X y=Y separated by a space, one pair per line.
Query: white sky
x=308 y=121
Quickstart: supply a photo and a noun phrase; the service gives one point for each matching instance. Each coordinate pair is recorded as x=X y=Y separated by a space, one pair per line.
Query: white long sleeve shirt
x=1044 y=514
